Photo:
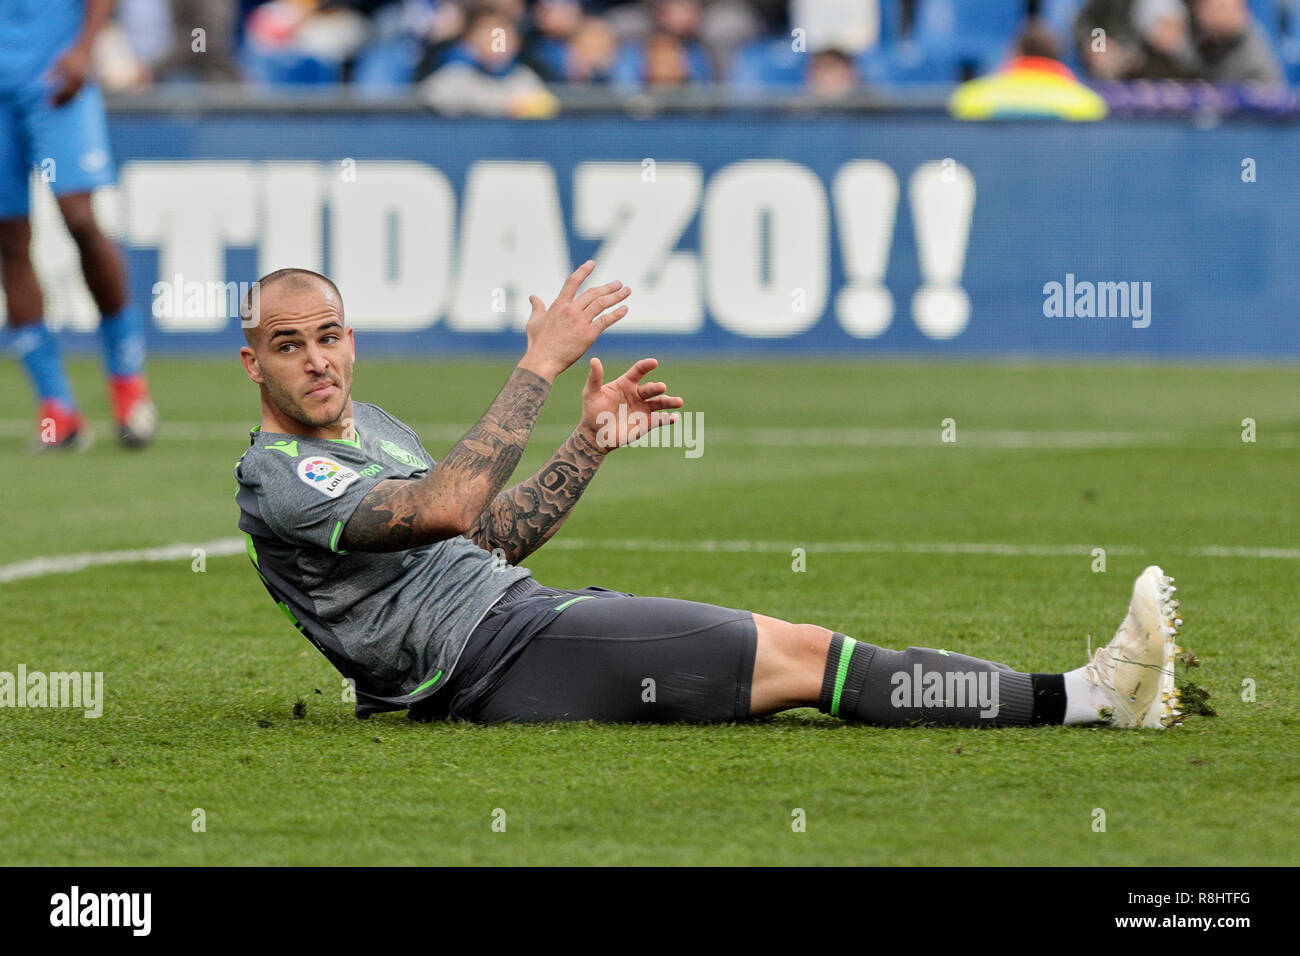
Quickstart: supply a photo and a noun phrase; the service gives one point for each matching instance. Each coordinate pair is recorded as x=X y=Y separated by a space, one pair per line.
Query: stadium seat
x=551 y=54
x=768 y=65
x=1268 y=15
x=908 y=63
x=1289 y=46
x=387 y=66
x=977 y=32
x=1060 y=14
x=970 y=18
x=891 y=22
x=287 y=68
x=629 y=65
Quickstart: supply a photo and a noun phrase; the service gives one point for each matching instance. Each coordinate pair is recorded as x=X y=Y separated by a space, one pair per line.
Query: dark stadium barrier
x=739 y=233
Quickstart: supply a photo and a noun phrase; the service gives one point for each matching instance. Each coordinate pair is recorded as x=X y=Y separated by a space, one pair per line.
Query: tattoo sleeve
x=523 y=517
x=405 y=513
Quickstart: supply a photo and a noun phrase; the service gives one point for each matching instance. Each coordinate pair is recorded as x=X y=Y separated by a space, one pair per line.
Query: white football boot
x=1135 y=671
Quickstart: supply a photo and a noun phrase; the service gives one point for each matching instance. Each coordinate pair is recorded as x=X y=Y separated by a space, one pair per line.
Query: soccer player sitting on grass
x=404 y=571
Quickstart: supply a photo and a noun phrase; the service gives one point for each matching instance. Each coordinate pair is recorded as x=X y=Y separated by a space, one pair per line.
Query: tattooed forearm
x=487 y=455
x=522 y=518
x=385 y=519
x=404 y=513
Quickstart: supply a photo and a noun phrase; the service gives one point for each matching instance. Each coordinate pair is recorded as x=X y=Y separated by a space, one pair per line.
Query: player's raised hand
x=623 y=410
x=558 y=335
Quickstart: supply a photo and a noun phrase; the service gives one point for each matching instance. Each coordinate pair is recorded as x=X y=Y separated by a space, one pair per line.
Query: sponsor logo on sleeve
x=326 y=475
x=394 y=450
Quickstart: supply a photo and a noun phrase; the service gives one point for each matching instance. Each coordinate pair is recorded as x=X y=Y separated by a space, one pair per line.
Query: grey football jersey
x=396 y=622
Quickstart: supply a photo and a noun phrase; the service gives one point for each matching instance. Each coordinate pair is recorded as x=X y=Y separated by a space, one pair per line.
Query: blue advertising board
x=739 y=233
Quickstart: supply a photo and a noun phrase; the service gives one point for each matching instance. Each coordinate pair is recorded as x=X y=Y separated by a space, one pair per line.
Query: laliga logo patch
x=326 y=475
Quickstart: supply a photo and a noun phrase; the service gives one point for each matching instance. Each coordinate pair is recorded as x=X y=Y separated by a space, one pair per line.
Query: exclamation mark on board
x=942 y=195
x=866 y=204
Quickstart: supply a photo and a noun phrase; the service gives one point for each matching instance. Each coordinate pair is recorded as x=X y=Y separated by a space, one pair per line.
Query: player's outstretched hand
x=560 y=334
x=623 y=410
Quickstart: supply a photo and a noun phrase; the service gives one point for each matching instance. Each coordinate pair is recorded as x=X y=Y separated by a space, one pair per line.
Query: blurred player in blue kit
x=52 y=117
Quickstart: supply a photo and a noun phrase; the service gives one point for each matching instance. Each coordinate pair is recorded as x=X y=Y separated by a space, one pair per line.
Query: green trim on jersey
x=289 y=614
x=251 y=549
x=429 y=683
x=354 y=442
x=334 y=538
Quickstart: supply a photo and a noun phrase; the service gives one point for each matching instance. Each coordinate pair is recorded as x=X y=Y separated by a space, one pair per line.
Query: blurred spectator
x=557 y=18
x=709 y=30
x=1232 y=45
x=202 y=42
x=1166 y=51
x=554 y=24
x=726 y=26
x=484 y=75
x=832 y=75
x=591 y=51
x=1107 y=38
x=665 y=62
x=1033 y=85
x=148 y=40
x=148 y=29
x=136 y=36
x=331 y=34
x=674 y=42
x=440 y=36
x=680 y=18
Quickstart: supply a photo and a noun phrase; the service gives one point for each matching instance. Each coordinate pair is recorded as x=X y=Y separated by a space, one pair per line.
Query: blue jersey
x=32 y=35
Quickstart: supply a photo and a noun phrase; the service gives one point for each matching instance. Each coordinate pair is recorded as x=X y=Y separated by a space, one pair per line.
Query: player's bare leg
x=59 y=423
x=120 y=324
x=101 y=261
x=788 y=665
x=22 y=289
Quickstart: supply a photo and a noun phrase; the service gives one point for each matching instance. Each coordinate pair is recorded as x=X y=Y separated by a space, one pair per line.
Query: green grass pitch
x=202 y=674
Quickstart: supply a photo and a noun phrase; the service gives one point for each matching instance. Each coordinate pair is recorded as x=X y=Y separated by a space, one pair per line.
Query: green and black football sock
x=873 y=685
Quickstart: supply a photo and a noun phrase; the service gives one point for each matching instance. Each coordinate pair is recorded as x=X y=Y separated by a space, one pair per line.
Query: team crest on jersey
x=401 y=454
x=326 y=475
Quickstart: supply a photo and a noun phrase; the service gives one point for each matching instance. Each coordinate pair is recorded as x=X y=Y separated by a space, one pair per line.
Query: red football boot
x=133 y=410
x=60 y=428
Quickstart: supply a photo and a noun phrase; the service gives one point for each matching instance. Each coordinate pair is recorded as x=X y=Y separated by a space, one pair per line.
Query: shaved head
x=300 y=352
x=285 y=281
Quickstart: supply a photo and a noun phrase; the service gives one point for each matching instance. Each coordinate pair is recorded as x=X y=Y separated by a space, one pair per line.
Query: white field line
x=69 y=563
x=236 y=433
x=222 y=547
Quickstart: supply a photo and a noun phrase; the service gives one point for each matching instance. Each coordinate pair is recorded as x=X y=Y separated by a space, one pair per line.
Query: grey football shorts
x=613 y=657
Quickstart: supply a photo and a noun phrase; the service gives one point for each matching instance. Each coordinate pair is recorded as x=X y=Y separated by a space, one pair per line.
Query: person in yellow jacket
x=1034 y=84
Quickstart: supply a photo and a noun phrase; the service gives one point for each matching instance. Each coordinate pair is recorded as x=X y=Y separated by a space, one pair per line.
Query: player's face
x=305 y=356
